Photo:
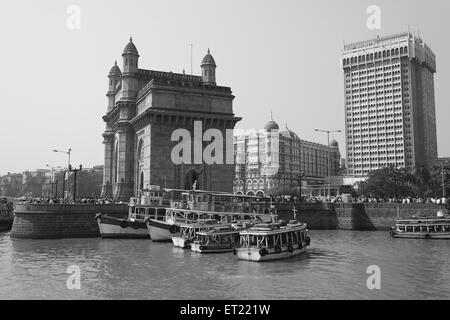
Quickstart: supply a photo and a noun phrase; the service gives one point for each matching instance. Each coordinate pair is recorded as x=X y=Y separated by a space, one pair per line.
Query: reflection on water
x=333 y=268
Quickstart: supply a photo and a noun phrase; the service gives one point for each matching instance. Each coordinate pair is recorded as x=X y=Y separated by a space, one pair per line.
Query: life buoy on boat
x=290 y=248
x=124 y=224
x=263 y=252
x=176 y=205
x=135 y=225
x=173 y=229
x=278 y=249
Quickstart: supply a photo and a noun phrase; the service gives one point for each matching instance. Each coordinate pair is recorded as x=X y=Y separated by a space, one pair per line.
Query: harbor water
x=335 y=267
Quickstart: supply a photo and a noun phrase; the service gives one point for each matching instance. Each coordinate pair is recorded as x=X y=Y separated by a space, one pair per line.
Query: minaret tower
x=209 y=69
x=124 y=177
x=114 y=77
x=130 y=57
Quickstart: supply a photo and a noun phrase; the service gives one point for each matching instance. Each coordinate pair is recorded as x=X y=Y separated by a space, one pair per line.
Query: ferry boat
x=273 y=241
x=422 y=228
x=189 y=206
x=149 y=204
x=189 y=231
x=219 y=240
x=6 y=214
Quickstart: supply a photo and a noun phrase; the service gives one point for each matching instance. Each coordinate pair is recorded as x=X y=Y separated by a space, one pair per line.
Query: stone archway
x=190 y=178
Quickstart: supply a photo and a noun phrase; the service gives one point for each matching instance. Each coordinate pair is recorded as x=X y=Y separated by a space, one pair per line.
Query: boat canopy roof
x=221 y=214
x=215 y=193
x=218 y=232
x=416 y=221
x=268 y=230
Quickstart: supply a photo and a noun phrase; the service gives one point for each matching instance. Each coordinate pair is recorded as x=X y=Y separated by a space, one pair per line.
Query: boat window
x=283 y=238
x=270 y=241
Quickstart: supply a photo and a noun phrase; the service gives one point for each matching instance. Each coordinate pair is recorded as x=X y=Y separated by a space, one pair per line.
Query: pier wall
x=354 y=216
x=56 y=221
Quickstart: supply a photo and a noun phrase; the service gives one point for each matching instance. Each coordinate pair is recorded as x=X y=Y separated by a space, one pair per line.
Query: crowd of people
x=65 y=201
x=340 y=199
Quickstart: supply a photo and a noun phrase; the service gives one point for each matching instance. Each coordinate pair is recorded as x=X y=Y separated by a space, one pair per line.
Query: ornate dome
x=115 y=71
x=334 y=144
x=290 y=134
x=271 y=125
x=208 y=60
x=130 y=48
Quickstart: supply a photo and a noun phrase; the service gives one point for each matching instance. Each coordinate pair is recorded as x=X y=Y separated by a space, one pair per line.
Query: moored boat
x=219 y=240
x=189 y=232
x=196 y=205
x=273 y=241
x=149 y=204
x=422 y=228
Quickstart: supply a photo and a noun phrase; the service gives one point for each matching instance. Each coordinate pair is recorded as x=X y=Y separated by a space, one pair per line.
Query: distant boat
x=6 y=214
x=422 y=228
x=273 y=241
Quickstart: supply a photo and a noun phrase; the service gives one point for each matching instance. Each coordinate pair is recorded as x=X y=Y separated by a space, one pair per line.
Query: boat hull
x=161 y=231
x=181 y=242
x=211 y=248
x=421 y=235
x=5 y=225
x=253 y=254
x=115 y=228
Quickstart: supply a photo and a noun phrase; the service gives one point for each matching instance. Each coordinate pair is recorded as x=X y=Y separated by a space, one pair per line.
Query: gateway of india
x=144 y=108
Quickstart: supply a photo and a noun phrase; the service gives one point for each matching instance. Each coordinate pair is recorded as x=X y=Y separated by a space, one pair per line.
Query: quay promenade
x=54 y=221
x=355 y=216
x=57 y=221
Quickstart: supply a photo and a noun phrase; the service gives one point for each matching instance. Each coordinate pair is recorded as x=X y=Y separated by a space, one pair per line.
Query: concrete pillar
x=108 y=166
x=125 y=167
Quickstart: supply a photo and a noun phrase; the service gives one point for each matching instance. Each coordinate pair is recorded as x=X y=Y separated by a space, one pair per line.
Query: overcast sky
x=280 y=55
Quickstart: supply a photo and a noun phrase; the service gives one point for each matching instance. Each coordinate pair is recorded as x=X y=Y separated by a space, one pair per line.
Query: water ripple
x=335 y=267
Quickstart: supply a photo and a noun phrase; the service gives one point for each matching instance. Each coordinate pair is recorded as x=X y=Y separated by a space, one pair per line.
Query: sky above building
x=282 y=56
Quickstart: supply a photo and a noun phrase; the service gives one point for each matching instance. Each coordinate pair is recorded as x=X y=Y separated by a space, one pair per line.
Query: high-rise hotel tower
x=389 y=103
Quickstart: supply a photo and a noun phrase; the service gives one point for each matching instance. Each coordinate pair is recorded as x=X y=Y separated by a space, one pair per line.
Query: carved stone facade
x=145 y=108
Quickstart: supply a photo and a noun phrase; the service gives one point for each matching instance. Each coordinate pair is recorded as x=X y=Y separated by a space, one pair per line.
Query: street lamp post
x=75 y=180
x=68 y=166
x=328 y=156
x=53 y=181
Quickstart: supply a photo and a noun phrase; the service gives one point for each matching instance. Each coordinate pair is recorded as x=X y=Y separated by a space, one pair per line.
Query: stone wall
x=56 y=221
x=354 y=216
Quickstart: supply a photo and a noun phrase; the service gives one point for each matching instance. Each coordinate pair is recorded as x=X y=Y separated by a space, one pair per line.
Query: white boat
x=149 y=204
x=422 y=228
x=218 y=240
x=273 y=241
x=188 y=232
x=195 y=205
